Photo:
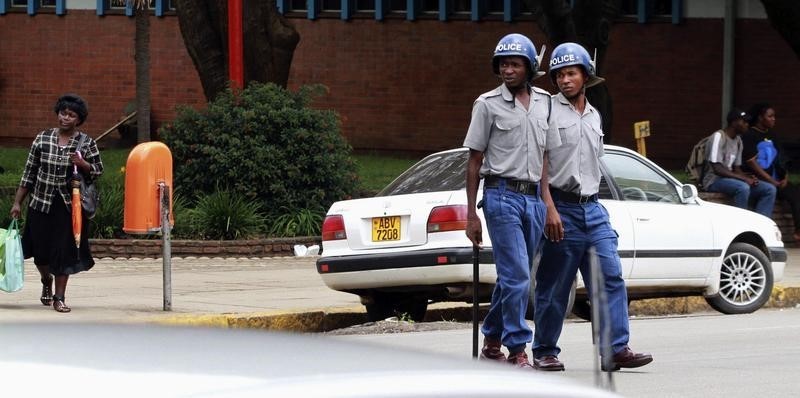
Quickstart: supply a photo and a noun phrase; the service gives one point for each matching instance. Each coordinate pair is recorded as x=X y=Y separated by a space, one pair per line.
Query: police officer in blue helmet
x=576 y=221
x=507 y=136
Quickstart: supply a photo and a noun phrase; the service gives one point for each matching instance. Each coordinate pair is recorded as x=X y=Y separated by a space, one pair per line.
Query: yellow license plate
x=385 y=229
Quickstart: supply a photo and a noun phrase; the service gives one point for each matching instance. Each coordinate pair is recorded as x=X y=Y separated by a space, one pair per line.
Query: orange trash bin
x=148 y=164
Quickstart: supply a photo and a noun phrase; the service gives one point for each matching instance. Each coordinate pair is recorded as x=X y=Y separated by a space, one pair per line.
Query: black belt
x=569 y=197
x=523 y=187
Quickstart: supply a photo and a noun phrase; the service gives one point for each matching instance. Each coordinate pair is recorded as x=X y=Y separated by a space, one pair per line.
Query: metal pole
x=163 y=191
x=727 y=58
x=235 y=43
x=475 y=312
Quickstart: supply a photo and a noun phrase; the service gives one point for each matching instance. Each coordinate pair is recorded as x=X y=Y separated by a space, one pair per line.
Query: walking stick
x=475 y=269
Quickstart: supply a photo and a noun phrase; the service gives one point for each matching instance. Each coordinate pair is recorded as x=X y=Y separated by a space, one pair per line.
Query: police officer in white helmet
x=507 y=139
x=576 y=221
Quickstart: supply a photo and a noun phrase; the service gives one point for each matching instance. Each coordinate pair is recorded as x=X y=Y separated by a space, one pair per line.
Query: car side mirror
x=688 y=193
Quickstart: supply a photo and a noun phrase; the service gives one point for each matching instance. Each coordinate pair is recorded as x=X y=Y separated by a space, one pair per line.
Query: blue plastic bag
x=12 y=272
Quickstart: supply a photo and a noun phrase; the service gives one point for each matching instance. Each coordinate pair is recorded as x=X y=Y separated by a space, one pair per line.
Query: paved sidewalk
x=275 y=293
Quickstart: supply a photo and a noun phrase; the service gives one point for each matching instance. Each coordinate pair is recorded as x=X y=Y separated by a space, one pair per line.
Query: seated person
x=723 y=168
x=764 y=157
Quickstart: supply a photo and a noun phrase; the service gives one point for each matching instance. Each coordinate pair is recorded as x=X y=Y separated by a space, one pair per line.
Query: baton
x=475 y=269
x=601 y=331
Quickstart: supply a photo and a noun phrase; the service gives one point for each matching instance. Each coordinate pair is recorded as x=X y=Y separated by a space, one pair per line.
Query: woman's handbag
x=90 y=197
x=12 y=272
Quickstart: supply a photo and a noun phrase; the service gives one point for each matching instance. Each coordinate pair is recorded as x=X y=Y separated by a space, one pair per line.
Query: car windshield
x=438 y=172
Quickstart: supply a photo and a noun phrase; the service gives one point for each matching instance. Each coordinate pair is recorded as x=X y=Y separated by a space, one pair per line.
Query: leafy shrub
x=303 y=222
x=266 y=144
x=6 y=202
x=225 y=215
x=107 y=222
x=182 y=214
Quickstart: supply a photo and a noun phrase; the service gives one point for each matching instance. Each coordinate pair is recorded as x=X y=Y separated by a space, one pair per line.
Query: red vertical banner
x=235 y=49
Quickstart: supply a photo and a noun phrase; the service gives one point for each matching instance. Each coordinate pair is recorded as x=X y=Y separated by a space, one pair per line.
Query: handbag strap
x=81 y=140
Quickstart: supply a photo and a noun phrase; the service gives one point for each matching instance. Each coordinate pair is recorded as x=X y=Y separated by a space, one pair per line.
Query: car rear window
x=437 y=172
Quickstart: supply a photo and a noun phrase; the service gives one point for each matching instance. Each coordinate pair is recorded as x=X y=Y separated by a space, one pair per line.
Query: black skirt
x=48 y=238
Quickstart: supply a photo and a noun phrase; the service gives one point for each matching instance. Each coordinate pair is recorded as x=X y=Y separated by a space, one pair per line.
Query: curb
x=323 y=321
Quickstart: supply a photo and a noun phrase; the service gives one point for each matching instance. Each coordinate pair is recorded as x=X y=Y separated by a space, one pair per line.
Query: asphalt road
x=702 y=355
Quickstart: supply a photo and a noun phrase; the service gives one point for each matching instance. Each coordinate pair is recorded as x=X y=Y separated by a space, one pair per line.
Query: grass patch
x=377 y=171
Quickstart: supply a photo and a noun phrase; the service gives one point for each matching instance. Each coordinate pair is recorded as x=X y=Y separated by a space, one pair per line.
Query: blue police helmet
x=572 y=54
x=515 y=44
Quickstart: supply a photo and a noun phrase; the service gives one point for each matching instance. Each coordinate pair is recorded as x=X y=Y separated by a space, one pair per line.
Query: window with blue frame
x=398 y=6
x=298 y=5
x=331 y=5
x=430 y=6
x=366 y=6
x=462 y=6
x=122 y=4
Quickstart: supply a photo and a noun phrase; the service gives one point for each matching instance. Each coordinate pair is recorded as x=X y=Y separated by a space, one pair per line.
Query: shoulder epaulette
x=492 y=93
x=540 y=91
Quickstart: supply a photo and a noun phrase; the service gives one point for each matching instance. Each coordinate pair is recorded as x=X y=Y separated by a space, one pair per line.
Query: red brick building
x=402 y=85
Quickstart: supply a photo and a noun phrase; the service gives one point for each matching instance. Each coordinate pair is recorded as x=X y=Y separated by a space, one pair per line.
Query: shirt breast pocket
x=569 y=133
x=507 y=132
x=541 y=132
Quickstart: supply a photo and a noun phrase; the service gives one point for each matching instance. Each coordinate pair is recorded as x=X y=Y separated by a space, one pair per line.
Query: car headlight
x=778 y=234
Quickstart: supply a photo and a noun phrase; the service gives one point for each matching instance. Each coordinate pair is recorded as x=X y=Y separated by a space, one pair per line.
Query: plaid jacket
x=48 y=168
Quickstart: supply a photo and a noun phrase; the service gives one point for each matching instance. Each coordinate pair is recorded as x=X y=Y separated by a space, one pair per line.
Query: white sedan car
x=406 y=247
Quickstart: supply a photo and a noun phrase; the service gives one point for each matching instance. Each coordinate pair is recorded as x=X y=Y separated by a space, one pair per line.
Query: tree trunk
x=588 y=23
x=269 y=42
x=142 y=58
x=784 y=16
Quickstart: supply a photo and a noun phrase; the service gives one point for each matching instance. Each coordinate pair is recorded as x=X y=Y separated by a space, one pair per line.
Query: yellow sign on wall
x=640 y=131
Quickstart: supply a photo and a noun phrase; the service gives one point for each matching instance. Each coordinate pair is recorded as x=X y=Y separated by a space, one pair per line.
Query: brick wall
x=152 y=248
x=399 y=85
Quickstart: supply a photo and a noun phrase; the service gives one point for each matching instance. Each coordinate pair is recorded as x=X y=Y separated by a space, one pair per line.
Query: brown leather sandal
x=47 y=291
x=59 y=306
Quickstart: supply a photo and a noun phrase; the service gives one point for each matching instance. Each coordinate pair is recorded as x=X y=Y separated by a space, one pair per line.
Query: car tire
x=582 y=309
x=385 y=305
x=745 y=280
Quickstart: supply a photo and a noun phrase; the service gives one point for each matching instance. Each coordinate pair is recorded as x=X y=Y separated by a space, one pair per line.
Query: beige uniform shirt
x=511 y=138
x=575 y=152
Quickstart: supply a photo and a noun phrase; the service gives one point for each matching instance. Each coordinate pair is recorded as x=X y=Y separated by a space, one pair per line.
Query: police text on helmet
x=561 y=59
x=508 y=47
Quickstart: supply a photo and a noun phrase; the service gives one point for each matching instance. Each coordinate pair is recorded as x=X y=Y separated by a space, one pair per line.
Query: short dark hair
x=74 y=103
x=757 y=110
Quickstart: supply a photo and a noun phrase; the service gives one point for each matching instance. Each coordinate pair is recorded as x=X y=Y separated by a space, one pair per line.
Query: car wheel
x=582 y=309
x=745 y=281
x=384 y=305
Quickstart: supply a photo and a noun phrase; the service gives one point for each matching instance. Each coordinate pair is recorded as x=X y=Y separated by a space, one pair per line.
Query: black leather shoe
x=491 y=350
x=548 y=363
x=628 y=359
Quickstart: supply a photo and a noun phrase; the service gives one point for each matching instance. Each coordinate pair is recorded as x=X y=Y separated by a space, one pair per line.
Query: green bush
x=303 y=222
x=225 y=215
x=266 y=144
x=107 y=222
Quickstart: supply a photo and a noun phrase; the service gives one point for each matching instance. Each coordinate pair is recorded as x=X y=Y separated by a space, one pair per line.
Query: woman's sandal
x=47 y=292
x=59 y=306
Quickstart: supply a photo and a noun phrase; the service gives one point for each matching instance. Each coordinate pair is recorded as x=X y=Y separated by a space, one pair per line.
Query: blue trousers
x=585 y=226
x=516 y=224
x=762 y=194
